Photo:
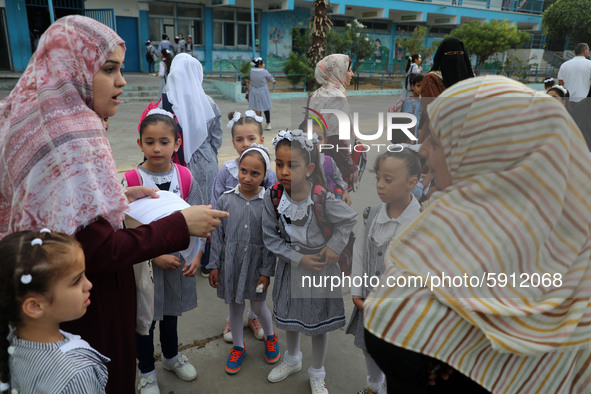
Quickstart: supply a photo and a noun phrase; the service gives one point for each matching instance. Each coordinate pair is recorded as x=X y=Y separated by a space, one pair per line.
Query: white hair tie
x=252 y=114
x=4 y=386
x=45 y=230
x=235 y=118
x=36 y=241
x=561 y=88
x=26 y=279
x=160 y=111
x=299 y=136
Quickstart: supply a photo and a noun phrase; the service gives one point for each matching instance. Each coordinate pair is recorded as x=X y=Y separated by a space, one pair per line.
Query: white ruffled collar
x=236 y=190
x=292 y=209
x=232 y=166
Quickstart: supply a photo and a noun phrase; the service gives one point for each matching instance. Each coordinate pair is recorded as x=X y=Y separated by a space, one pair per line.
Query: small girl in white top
x=240 y=264
x=175 y=290
x=397 y=173
x=43 y=285
x=307 y=228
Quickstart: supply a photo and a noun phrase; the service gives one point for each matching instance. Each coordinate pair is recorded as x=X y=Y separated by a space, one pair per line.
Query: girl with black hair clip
x=43 y=285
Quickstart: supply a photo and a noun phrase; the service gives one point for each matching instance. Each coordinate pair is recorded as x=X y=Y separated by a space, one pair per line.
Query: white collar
x=294 y=210
x=235 y=190
x=409 y=212
x=232 y=166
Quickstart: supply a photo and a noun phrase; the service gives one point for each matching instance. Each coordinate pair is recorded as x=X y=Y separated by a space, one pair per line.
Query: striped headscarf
x=518 y=203
x=56 y=165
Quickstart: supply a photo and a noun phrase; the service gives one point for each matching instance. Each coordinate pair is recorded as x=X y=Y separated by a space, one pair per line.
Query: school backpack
x=134 y=178
x=319 y=200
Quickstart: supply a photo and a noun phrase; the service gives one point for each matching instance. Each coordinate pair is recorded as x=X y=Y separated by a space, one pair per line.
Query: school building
x=221 y=29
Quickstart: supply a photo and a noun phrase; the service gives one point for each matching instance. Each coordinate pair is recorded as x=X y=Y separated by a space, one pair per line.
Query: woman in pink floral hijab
x=334 y=74
x=57 y=171
x=57 y=166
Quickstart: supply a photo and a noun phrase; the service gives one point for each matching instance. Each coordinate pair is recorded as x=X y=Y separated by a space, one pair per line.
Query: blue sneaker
x=235 y=360
x=272 y=349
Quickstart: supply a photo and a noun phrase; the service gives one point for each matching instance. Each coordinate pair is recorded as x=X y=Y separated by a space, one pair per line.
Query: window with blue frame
x=172 y=19
x=232 y=28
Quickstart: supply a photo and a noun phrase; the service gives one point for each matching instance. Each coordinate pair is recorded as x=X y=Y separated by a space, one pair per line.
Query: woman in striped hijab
x=513 y=212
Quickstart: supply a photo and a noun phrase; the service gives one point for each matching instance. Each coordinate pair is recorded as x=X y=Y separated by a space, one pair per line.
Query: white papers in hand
x=146 y=210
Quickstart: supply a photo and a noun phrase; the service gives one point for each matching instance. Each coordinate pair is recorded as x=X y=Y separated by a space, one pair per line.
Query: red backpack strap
x=133 y=178
x=319 y=199
x=276 y=191
x=185 y=180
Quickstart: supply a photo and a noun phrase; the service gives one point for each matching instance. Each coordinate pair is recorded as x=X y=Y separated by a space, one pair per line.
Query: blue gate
x=104 y=16
x=127 y=28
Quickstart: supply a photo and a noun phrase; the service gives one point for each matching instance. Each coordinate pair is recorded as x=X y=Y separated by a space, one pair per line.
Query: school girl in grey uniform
x=294 y=233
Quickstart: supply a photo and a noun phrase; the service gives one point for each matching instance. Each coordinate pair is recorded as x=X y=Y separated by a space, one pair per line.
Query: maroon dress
x=109 y=323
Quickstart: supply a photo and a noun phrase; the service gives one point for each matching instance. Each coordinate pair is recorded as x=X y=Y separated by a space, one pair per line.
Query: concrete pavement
x=200 y=330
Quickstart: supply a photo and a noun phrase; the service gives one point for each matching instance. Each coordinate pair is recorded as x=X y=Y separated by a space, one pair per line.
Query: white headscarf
x=189 y=101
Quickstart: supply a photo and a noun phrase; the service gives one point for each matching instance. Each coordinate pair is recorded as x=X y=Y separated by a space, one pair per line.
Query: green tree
x=485 y=39
x=353 y=41
x=297 y=63
x=415 y=43
x=569 y=17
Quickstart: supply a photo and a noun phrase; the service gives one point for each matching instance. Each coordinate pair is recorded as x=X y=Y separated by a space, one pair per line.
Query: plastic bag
x=144 y=283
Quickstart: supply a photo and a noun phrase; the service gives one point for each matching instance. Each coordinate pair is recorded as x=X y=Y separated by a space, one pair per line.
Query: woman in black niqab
x=452 y=60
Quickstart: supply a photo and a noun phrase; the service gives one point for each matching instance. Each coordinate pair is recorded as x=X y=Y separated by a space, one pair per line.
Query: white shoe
x=180 y=366
x=148 y=383
x=290 y=365
x=317 y=385
x=268 y=127
x=228 y=333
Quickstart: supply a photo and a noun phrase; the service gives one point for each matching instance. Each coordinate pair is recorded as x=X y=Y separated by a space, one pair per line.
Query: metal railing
x=533 y=74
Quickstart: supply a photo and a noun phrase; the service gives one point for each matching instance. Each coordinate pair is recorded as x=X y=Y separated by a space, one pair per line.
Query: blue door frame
x=127 y=28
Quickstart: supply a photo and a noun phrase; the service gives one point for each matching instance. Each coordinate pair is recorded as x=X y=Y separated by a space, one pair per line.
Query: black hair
x=245 y=120
x=167 y=59
x=259 y=155
x=258 y=62
x=304 y=127
x=558 y=90
x=164 y=37
x=415 y=78
x=317 y=176
x=411 y=60
x=580 y=48
x=43 y=263
x=156 y=118
x=412 y=161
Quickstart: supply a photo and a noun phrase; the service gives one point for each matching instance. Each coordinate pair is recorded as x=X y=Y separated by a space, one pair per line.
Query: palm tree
x=320 y=26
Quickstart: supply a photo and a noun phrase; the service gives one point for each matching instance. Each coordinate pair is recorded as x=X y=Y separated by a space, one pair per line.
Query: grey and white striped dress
x=258 y=93
x=69 y=366
x=237 y=249
x=306 y=309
